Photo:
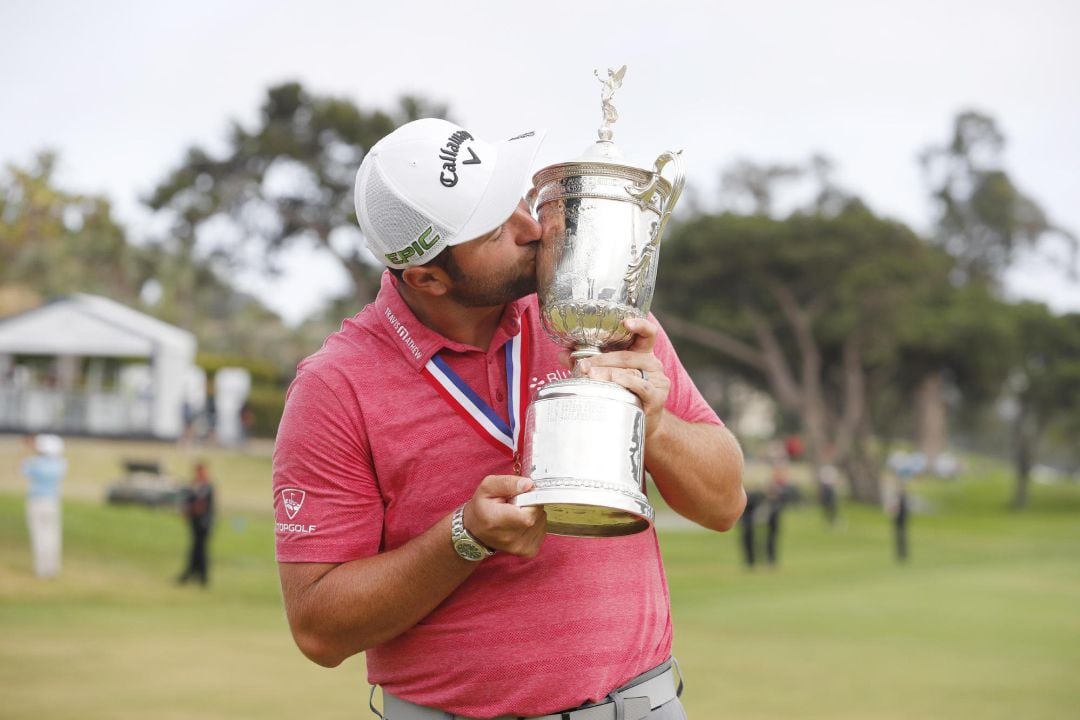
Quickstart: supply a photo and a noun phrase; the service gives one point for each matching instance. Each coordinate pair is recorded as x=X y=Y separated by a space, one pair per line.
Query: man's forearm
x=336 y=611
x=698 y=469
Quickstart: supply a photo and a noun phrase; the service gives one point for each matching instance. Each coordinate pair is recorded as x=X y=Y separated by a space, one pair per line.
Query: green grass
x=984 y=622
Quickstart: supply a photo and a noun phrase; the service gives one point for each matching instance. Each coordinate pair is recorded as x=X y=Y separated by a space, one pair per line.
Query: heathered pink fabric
x=381 y=457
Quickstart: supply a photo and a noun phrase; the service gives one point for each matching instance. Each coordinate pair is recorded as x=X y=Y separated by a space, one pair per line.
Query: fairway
x=984 y=622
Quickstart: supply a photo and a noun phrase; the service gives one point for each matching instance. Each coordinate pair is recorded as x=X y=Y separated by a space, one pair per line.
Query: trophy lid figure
x=610 y=84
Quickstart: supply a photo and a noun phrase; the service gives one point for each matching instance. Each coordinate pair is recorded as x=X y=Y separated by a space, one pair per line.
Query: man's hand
x=493 y=519
x=636 y=369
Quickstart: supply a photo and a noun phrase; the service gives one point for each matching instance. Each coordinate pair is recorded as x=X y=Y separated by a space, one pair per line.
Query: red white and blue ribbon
x=503 y=436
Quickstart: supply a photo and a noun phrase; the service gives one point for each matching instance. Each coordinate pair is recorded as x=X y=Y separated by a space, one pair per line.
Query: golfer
x=396 y=534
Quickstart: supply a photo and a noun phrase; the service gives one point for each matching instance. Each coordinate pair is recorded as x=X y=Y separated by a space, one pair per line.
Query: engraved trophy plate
x=585 y=473
x=602 y=221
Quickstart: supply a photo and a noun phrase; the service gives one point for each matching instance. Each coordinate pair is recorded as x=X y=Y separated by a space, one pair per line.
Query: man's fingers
x=624 y=359
x=644 y=331
x=497 y=522
x=503 y=486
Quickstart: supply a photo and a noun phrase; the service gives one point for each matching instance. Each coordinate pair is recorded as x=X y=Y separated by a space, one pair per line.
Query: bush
x=267 y=402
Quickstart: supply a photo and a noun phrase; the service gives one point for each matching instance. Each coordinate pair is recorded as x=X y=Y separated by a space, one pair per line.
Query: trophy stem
x=580 y=353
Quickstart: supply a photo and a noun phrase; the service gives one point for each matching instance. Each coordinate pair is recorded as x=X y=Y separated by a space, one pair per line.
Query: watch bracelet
x=457 y=529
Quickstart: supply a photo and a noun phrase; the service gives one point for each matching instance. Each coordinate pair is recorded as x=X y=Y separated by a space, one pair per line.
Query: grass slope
x=983 y=622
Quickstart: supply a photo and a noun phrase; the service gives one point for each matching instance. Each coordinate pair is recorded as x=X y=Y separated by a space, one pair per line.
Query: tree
x=957 y=340
x=813 y=307
x=53 y=241
x=982 y=218
x=1044 y=385
x=288 y=179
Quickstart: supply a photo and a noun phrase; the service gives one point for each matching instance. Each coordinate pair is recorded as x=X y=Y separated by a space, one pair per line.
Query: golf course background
x=983 y=622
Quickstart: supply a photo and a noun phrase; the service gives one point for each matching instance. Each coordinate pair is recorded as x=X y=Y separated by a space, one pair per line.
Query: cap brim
x=506 y=187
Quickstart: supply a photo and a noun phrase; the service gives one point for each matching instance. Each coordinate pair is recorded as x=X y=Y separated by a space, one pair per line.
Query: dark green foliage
x=982 y=219
x=290 y=178
x=1044 y=384
x=54 y=242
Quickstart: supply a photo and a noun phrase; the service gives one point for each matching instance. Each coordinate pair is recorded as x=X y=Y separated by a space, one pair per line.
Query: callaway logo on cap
x=431 y=184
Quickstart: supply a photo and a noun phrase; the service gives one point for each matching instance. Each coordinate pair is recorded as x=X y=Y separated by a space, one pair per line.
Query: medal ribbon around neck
x=478 y=414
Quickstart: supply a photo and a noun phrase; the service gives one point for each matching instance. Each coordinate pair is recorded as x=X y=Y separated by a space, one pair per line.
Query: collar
x=417 y=342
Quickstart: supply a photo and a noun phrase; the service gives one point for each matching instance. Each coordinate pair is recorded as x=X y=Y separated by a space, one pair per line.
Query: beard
x=492 y=290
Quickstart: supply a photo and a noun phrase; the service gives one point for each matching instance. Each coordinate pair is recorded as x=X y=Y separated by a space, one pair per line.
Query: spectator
x=828 y=480
x=754 y=499
x=897 y=508
x=774 y=504
x=198 y=507
x=794 y=447
x=45 y=471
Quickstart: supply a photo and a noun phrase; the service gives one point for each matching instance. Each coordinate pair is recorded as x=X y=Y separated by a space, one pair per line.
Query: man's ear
x=430 y=280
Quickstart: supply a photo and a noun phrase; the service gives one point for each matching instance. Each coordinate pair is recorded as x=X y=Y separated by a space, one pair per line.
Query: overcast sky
x=122 y=89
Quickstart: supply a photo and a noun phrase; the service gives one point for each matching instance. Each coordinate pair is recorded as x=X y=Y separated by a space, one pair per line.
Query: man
x=379 y=467
x=44 y=471
x=198 y=507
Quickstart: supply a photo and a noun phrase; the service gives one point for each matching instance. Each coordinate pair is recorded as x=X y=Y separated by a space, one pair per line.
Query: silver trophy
x=602 y=222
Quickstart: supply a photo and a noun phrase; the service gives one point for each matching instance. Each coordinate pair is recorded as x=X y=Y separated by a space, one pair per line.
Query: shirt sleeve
x=685 y=400
x=327 y=503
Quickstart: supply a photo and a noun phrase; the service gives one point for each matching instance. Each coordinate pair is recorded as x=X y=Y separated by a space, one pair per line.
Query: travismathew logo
x=449 y=155
x=292 y=500
x=403 y=333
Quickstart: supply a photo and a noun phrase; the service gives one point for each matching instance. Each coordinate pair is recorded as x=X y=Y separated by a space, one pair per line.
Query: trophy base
x=582 y=512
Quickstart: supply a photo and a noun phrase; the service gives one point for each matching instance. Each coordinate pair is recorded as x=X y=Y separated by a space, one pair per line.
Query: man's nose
x=528 y=228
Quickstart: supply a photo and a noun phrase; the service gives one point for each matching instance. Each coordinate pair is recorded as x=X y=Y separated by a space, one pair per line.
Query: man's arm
x=698 y=469
x=696 y=466
x=338 y=610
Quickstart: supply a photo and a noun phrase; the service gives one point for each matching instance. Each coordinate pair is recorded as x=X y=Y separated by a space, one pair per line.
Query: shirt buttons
x=500 y=395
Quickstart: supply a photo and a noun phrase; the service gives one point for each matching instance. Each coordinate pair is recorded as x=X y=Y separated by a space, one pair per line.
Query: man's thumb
x=505 y=486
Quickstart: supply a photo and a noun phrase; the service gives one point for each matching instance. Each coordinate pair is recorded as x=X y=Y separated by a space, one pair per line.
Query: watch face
x=468 y=550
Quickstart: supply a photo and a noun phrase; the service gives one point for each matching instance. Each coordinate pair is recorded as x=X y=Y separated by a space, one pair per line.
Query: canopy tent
x=74 y=328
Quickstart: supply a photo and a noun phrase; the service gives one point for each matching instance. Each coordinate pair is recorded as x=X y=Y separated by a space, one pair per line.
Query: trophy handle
x=644 y=193
x=636 y=277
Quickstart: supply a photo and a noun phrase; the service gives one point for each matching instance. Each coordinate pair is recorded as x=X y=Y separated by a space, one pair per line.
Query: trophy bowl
x=596 y=266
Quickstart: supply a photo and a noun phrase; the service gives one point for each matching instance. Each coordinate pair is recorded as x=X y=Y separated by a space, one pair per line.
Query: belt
x=633 y=701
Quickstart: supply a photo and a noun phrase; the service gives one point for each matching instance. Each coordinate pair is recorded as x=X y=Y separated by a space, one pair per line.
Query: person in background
x=754 y=499
x=775 y=496
x=45 y=471
x=896 y=504
x=828 y=481
x=198 y=507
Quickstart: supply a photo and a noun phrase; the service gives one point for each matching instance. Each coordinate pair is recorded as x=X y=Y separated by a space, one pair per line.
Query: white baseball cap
x=430 y=184
x=51 y=445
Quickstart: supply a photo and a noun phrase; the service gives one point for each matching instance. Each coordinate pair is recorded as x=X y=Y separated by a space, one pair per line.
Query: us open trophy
x=602 y=221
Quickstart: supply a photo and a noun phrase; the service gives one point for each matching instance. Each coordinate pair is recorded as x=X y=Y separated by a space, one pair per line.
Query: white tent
x=87 y=364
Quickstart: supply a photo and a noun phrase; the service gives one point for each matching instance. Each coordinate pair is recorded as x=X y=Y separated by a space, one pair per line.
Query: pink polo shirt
x=369 y=455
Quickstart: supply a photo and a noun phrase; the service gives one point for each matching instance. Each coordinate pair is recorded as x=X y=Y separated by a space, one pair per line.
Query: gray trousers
x=668 y=711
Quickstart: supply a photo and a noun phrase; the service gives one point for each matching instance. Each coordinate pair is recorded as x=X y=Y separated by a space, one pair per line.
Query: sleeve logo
x=293 y=500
